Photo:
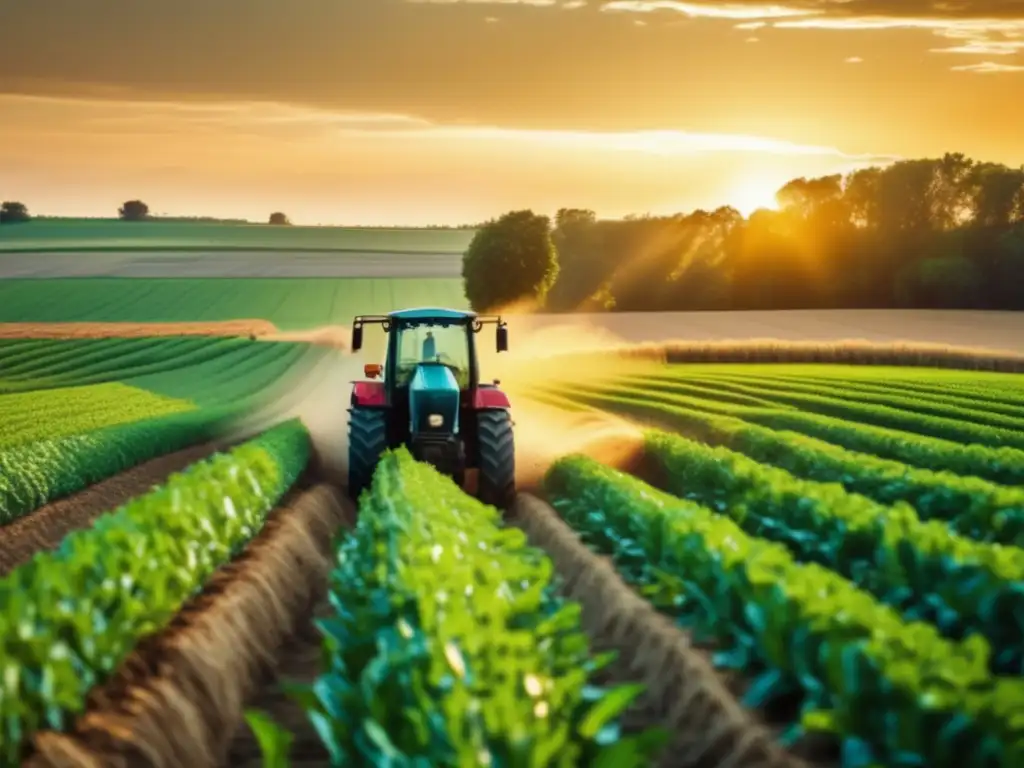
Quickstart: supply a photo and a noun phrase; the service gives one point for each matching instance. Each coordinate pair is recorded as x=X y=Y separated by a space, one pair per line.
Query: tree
x=280 y=219
x=509 y=259
x=13 y=213
x=134 y=210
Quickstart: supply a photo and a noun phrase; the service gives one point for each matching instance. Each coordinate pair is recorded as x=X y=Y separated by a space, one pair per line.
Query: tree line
x=13 y=212
x=929 y=233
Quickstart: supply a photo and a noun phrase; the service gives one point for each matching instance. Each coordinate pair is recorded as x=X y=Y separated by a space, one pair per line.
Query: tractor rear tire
x=367 y=440
x=496 y=484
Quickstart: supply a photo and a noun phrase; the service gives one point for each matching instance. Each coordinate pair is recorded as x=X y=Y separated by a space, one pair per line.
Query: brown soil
x=254 y=328
x=299 y=661
x=685 y=694
x=46 y=527
x=178 y=700
x=844 y=352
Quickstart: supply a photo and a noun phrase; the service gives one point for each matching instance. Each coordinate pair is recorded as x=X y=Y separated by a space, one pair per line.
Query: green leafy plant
x=71 y=616
x=923 y=570
x=449 y=647
x=896 y=692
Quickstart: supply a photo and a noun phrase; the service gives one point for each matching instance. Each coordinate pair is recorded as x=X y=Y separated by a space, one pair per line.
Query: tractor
x=428 y=396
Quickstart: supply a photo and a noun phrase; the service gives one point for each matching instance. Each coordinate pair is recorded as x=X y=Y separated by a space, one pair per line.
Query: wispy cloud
x=987 y=27
x=708 y=10
x=274 y=120
x=989 y=68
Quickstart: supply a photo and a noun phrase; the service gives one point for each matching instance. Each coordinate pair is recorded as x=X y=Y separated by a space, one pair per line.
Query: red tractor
x=432 y=401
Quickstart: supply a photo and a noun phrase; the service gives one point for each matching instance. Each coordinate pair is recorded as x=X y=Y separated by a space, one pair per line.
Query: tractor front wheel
x=497 y=459
x=367 y=440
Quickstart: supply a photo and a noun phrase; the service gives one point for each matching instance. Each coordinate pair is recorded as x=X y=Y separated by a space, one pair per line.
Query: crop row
x=998 y=464
x=54 y=413
x=971 y=506
x=889 y=417
x=448 y=645
x=73 y=615
x=199 y=369
x=793 y=391
x=921 y=569
x=894 y=691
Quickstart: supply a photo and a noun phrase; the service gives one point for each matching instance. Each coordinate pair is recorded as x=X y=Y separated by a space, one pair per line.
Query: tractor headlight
x=435 y=420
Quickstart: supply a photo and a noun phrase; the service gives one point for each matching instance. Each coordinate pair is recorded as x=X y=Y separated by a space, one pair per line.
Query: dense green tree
x=279 y=219
x=510 y=259
x=12 y=212
x=134 y=210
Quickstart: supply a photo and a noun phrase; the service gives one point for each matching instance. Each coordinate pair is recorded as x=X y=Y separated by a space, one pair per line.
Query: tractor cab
x=427 y=395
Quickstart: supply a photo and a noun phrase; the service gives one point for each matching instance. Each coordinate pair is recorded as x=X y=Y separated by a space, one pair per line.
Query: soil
x=46 y=527
x=179 y=697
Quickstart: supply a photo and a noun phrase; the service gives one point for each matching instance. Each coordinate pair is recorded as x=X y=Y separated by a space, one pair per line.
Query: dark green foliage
x=13 y=213
x=510 y=259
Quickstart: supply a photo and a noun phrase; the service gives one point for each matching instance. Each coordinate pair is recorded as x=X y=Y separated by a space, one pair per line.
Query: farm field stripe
x=684 y=692
x=972 y=507
x=55 y=413
x=97 y=364
x=999 y=465
x=886 y=417
x=34 y=474
x=865 y=673
x=864 y=389
x=178 y=698
x=45 y=528
x=795 y=393
x=194 y=525
x=431 y=588
x=921 y=569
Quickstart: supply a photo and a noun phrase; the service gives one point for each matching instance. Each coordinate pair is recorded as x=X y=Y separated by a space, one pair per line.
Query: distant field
x=289 y=303
x=112 y=234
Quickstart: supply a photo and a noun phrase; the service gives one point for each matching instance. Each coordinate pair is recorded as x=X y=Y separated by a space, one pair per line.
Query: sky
x=453 y=111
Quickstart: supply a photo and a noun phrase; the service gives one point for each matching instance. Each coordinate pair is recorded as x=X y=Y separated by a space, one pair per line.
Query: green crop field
x=802 y=565
x=113 y=235
x=289 y=303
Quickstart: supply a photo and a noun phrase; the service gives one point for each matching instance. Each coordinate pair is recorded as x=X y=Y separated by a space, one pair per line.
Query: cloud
x=988 y=27
x=75 y=116
x=707 y=10
x=853 y=60
x=988 y=68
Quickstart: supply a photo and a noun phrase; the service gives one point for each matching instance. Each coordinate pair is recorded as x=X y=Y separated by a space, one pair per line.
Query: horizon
x=624 y=107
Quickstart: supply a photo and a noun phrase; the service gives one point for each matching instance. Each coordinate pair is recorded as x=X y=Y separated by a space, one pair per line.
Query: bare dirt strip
x=178 y=700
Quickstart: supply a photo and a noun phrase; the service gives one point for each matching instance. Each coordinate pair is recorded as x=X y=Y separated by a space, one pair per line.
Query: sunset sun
x=749 y=194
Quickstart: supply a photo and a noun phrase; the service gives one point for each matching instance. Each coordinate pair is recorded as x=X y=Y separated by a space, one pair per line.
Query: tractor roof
x=430 y=313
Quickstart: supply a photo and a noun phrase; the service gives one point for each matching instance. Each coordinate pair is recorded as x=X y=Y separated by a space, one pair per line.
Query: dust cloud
x=543 y=357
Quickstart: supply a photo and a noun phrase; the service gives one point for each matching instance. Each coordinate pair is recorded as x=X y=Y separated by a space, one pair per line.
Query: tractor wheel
x=497 y=459
x=367 y=440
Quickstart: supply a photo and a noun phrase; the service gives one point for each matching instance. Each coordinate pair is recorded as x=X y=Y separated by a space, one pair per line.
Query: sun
x=749 y=194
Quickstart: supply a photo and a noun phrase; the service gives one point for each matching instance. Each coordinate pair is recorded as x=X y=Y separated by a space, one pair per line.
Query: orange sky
x=451 y=111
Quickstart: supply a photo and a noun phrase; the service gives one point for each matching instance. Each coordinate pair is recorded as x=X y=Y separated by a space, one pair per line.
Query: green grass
x=111 y=234
x=289 y=303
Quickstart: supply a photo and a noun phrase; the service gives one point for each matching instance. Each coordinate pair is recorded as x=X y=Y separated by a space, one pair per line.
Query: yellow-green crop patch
x=27 y=417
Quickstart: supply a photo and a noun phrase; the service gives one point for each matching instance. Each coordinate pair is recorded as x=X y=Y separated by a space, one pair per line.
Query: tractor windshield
x=427 y=342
